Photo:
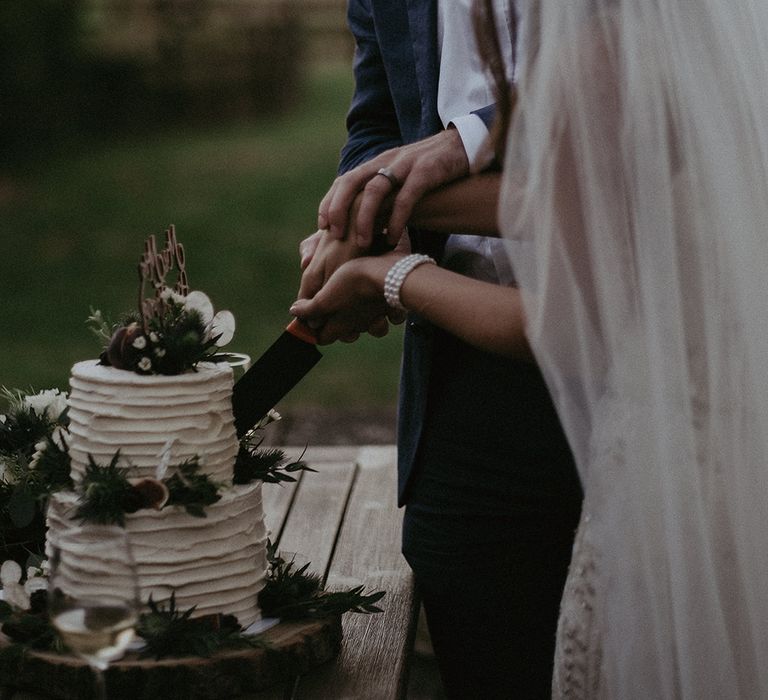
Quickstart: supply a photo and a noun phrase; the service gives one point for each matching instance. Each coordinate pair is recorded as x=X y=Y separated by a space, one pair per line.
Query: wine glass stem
x=100 y=685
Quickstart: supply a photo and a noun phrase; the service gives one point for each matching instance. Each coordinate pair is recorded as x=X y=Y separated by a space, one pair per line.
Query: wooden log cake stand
x=294 y=648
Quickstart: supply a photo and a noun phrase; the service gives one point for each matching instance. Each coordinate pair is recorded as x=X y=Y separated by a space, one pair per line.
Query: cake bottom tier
x=216 y=564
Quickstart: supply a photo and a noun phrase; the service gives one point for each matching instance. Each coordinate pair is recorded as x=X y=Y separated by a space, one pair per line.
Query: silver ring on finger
x=387 y=173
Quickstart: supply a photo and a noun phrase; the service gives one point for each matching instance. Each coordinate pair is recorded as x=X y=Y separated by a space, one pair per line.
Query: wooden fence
x=135 y=28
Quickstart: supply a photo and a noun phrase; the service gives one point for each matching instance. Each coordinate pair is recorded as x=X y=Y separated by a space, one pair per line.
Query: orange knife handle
x=301 y=331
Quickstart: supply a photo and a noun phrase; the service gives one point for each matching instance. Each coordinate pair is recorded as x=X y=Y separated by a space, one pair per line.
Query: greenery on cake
x=188 y=488
x=30 y=629
x=106 y=494
x=173 y=328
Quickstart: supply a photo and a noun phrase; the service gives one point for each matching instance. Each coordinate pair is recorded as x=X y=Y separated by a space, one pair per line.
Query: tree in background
x=69 y=67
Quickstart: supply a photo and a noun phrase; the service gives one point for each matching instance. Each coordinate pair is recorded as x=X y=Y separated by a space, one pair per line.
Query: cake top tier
x=152 y=420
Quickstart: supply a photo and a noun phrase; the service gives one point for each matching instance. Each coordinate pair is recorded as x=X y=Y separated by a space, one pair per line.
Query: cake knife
x=273 y=375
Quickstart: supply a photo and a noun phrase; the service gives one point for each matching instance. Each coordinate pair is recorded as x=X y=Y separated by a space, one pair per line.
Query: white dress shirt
x=464 y=86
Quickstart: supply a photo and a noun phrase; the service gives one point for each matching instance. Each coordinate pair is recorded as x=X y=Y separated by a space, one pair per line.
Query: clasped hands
x=341 y=293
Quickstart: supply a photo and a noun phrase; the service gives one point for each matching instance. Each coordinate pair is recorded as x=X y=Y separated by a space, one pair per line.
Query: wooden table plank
x=326 y=453
x=376 y=648
x=276 y=501
x=278 y=498
x=317 y=511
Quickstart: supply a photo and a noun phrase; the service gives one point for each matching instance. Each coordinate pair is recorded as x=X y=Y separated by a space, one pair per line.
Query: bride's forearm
x=485 y=315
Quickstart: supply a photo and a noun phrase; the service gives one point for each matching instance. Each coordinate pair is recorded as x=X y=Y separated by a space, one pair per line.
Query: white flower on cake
x=140 y=342
x=220 y=325
x=14 y=592
x=223 y=326
x=50 y=402
x=39 y=449
x=145 y=364
x=199 y=301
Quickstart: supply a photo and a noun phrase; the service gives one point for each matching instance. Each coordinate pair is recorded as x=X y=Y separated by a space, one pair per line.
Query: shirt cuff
x=474 y=136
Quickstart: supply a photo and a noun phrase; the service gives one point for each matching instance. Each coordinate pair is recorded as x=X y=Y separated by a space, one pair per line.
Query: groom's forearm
x=468 y=206
x=465 y=206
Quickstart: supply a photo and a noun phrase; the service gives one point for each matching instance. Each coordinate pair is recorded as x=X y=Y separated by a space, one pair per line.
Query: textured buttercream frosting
x=144 y=416
x=216 y=563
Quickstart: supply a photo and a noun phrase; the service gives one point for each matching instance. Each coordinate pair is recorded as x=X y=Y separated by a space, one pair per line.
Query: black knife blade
x=273 y=375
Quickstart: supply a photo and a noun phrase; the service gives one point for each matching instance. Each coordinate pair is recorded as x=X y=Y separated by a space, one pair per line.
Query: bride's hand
x=350 y=302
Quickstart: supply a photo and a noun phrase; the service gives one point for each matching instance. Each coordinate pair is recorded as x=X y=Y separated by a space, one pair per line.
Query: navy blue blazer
x=396 y=72
x=395 y=103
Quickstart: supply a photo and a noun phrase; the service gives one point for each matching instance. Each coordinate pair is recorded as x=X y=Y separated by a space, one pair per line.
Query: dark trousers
x=492 y=605
x=491 y=510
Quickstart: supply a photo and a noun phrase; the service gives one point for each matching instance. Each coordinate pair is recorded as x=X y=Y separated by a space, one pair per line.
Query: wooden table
x=344 y=520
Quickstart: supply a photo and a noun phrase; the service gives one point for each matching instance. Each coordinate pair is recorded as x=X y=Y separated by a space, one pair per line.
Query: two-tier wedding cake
x=129 y=410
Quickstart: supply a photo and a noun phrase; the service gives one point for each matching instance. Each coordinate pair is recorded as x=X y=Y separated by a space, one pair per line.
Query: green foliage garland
x=270 y=465
x=168 y=631
x=292 y=594
x=32 y=465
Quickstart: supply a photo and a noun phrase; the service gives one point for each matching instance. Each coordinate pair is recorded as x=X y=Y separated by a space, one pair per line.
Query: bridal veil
x=636 y=204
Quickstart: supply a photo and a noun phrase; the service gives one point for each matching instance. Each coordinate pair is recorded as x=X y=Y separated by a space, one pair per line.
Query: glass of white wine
x=93 y=595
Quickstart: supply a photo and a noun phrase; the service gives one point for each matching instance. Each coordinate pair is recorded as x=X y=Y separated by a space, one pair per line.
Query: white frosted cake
x=216 y=563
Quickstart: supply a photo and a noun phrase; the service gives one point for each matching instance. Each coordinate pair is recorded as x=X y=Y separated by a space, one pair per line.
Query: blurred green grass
x=241 y=197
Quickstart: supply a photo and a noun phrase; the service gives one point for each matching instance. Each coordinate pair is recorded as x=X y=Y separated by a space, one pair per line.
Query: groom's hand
x=411 y=171
x=321 y=255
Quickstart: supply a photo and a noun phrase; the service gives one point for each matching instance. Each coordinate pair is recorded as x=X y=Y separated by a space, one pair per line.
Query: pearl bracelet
x=397 y=274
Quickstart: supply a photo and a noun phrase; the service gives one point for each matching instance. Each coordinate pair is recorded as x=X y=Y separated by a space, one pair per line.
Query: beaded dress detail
x=578 y=652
